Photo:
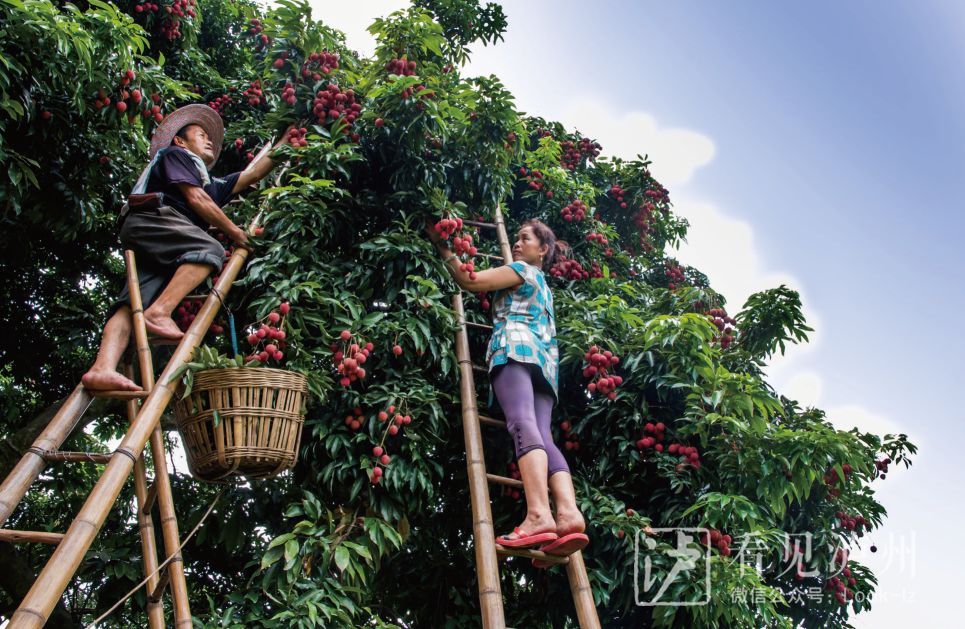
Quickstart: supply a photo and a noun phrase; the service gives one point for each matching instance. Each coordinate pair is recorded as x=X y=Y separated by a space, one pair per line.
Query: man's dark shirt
x=176 y=166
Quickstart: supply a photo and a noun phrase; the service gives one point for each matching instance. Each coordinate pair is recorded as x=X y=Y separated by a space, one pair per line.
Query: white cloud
x=805 y=387
x=354 y=18
x=854 y=416
x=676 y=153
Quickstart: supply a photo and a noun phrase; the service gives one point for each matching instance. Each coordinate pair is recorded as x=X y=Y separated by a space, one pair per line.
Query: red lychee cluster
x=462 y=245
x=514 y=473
x=279 y=62
x=618 y=193
x=220 y=102
x=575 y=211
x=689 y=455
x=841 y=585
x=146 y=6
x=657 y=193
x=724 y=323
x=355 y=419
x=392 y=427
x=597 y=238
x=267 y=338
x=398 y=419
x=332 y=103
x=675 y=275
x=597 y=371
x=569 y=269
x=253 y=93
x=832 y=478
x=850 y=523
x=288 y=94
x=186 y=312
x=319 y=63
x=571 y=440
x=418 y=90
x=483 y=300
x=534 y=180
x=653 y=435
x=401 y=67
x=296 y=137
x=446 y=227
x=715 y=538
x=380 y=457
x=349 y=358
x=573 y=152
x=171 y=25
x=256 y=31
x=882 y=467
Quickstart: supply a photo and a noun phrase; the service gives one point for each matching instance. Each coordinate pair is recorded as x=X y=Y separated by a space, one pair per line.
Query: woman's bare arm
x=486 y=281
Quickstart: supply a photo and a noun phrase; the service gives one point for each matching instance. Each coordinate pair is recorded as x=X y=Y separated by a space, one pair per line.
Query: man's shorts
x=163 y=240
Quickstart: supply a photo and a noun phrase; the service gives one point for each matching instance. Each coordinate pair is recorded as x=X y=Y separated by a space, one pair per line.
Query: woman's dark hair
x=545 y=235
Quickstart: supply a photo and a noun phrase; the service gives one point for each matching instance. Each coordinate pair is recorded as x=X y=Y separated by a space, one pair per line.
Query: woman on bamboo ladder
x=523 y=365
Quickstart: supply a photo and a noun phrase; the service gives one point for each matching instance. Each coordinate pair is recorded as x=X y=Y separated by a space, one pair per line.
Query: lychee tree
x=664 y=411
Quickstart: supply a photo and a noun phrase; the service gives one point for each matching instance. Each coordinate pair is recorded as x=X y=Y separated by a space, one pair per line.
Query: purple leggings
x=528 y=413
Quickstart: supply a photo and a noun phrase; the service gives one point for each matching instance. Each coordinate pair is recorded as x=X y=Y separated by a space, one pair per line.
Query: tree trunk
x=16 y=578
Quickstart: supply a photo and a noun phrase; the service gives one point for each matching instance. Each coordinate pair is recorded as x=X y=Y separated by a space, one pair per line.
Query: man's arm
x=258 y=169
x=205 y=207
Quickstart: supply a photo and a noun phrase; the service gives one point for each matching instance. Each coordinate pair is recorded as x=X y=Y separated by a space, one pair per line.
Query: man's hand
x=239 y=236
x=259 y=169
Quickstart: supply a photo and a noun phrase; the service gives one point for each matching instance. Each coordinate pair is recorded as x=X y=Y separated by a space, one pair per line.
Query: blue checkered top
x=524 y=328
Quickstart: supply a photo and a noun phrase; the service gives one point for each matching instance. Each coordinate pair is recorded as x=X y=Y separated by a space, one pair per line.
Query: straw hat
x=198 y=114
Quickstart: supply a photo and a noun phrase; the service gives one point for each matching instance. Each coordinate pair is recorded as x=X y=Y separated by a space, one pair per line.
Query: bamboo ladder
x=144 y=410
x=487 y=550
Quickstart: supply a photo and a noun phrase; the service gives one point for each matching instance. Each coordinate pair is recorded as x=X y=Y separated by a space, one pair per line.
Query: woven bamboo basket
x=259 y=422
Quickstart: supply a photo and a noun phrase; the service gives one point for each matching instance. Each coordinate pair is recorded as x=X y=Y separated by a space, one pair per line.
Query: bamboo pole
x=582 y=592
x=155 y=610
x=487 y=567
x=501 y=236
x=32 y=463
x=52 y=456
x=63 y=563
x=36 y=537
x=162 y=480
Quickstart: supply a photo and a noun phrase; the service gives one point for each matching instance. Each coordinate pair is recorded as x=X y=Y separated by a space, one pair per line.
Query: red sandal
x=525 y=540
x=562 y=547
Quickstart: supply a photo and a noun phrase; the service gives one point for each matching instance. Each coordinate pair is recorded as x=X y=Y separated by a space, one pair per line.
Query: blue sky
x=818 y=144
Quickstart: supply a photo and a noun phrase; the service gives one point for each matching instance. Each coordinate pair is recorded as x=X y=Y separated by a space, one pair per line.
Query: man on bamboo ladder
x=165 y=223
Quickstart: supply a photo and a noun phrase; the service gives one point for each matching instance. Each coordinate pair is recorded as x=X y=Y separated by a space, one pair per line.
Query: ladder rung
x=479 y=224
x=489 y=421
x=195 y=297
x=482 y=326
x=120 y=395
x=52 y=456
x=504 y=480
x=492 y=256
x=480 y=368
x=37 y=537
x=529 y=553
x=150 y=498
x=162 y=584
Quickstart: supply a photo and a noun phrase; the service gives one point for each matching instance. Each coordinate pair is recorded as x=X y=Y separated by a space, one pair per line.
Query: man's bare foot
x=569 y=522
x=535 y=523
x=161 y=325
x=107 y=380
